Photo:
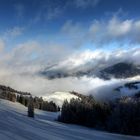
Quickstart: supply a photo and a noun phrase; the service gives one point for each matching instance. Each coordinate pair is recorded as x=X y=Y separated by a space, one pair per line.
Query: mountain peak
x=120 y=70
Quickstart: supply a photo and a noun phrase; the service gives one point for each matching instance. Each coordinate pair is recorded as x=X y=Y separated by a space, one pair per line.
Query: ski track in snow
x=15 y=125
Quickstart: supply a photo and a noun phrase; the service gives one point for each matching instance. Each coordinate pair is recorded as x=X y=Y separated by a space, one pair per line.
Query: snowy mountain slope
x=59 y=97
x=128 y=89
x=15 y=125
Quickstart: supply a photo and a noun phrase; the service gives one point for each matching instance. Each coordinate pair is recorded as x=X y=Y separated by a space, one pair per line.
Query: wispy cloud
x=47 y=12
x=85 y=3
x=51 y=11
x=115 y=30
x=101 y=33
x=19 y=8
x=14 y=32
x=2 y=45
x=54 y=13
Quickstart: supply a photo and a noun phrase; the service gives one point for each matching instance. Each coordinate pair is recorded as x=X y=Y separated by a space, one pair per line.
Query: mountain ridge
x=118 y=70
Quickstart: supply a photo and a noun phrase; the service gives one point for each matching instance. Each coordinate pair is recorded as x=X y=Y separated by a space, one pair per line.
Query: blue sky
x=43 y=20
x=61 y=27
x=52 y=30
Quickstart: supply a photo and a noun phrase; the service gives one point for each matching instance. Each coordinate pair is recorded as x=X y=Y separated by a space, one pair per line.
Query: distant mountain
x=52 y=74
x=120 y=70
x=129 y=89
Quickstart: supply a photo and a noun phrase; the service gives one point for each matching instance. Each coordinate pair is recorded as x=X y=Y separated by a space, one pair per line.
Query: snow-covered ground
x=15 y=125
x=59 y=97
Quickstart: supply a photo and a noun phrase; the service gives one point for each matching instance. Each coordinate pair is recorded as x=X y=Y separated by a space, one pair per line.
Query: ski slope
x=15 y=125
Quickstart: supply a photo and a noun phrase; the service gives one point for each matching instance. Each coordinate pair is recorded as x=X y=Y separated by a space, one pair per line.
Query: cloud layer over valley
x=21 y=69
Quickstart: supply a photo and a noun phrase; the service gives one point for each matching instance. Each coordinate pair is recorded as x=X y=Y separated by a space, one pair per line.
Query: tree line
x=120 y=116
x=24 y=99
x=39 y=103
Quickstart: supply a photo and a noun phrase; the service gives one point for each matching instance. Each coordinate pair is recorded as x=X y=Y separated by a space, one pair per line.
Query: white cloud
x=102 y=33
x=74 y=34
x=119 y=28
x=115 y=30
x=137 y=25
x=13 y=32
x=72 y=29
x=97 y=60
x=32 y=56
x=2 y=45
x=16 y=31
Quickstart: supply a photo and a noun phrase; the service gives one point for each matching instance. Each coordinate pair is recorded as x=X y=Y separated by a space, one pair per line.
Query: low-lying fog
x=20 y=74
x=40 y=86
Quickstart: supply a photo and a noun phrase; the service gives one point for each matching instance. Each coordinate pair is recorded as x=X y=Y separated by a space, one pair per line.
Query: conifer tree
x=31 y=108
